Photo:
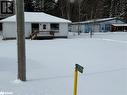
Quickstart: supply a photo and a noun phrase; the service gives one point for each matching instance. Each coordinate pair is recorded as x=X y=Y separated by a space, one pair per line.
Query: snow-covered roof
x=37 y=17
x=95 y=20
x=119 y=24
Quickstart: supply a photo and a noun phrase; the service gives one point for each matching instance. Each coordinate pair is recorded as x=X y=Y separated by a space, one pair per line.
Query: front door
x=35 y=27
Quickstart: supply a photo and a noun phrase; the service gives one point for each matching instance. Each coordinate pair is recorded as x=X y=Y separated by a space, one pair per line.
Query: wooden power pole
x=21 y=40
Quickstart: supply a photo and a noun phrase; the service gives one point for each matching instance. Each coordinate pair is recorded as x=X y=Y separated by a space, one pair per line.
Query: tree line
x=79 y=10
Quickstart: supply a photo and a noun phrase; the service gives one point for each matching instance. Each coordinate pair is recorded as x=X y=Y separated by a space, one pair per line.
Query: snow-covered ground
x=50 y=65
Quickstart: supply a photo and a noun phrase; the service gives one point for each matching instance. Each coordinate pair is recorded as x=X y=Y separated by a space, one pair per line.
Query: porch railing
x=37 y=33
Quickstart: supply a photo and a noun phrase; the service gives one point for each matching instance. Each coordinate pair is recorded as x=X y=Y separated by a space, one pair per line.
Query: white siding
x=28 y=29
x=10 y=30
x=82 y=28
x=63 y=30
x=75 y=28
x=95 y=28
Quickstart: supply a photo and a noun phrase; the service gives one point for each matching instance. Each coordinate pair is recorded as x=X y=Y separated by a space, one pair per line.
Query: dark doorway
x=35 y=27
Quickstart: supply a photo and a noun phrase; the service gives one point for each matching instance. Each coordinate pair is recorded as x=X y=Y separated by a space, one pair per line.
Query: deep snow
x=50 y=65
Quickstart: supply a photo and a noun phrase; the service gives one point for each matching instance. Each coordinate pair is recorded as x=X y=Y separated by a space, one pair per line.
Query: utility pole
x=21 y=40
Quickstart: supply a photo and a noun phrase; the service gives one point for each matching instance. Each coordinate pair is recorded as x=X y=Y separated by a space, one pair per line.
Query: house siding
x=99 y=26
x=10 y=30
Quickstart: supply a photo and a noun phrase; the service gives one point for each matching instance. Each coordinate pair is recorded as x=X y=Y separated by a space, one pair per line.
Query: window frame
x=44 y=26
x=55 y=28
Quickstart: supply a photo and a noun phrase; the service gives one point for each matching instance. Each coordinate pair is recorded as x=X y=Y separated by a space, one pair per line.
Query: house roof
x=37 y=17
x=119 y=25
x=95 y=20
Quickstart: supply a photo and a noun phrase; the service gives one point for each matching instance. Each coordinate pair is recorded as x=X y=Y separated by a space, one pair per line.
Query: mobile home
x=96 y=25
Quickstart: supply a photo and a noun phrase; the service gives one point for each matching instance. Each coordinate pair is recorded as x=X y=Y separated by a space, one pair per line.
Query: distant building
x=119 y=27
x=47 y=25
x=97 y=25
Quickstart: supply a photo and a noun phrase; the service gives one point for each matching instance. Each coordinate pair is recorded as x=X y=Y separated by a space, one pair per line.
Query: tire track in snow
x=117 y=41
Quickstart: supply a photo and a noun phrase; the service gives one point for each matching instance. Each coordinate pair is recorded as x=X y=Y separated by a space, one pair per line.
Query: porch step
x=43 y=37
x=40 y=35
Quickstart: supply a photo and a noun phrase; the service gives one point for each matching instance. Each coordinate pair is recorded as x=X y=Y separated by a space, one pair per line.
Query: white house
x=36 y=21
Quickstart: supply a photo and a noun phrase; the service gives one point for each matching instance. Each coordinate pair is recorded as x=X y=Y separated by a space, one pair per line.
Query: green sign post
x=80 y=69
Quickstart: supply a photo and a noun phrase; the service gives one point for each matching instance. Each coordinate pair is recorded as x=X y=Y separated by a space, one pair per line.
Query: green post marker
x=80 y=69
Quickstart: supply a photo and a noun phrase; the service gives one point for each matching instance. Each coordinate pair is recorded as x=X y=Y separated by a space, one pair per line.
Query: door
x=35 y=27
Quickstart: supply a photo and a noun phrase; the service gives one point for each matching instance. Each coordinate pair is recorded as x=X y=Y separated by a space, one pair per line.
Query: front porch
x=43 y=34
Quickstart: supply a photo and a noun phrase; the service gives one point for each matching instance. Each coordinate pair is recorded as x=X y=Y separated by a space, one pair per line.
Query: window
x=1 y=28
x=44 y=26
x=54 y=26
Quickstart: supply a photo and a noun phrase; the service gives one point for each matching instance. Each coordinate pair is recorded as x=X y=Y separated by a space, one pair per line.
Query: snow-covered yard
x=50 y=65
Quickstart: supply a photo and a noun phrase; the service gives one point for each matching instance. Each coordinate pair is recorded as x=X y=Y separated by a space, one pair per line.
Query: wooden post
x=21 y=40
x=75 y=81
x=80 y=69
